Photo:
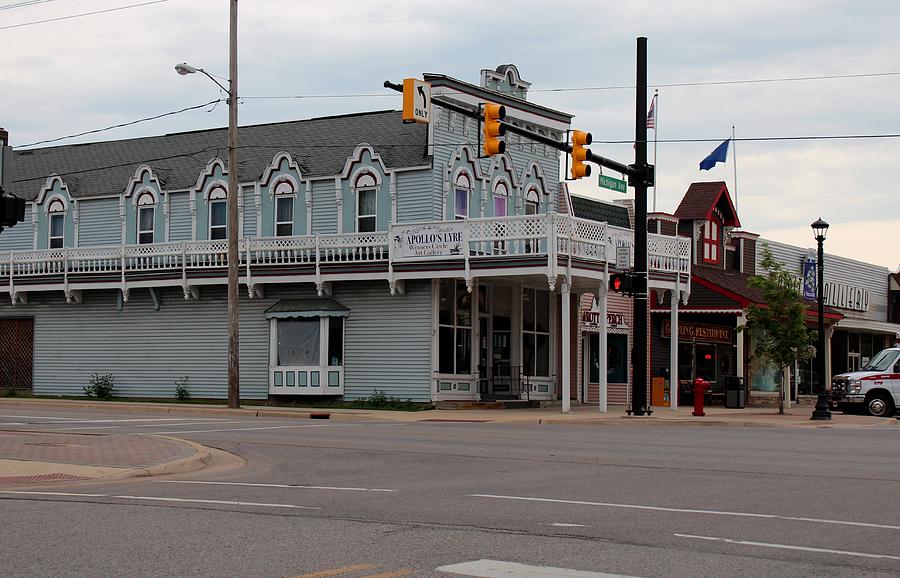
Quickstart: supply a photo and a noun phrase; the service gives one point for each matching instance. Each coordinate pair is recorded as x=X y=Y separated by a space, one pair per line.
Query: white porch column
x=602 y=305
x=566 y=347
x=674 y=384
x=742 y=320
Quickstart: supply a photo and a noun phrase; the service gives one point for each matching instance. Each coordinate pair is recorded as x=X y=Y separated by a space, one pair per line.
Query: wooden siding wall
x=414 y=196
x=179 y=217
x=749 y=262
x=387 y=342
x=324 y=209
x=99 y=222
x=617 y=393
x=20 y=237
x=249 y=198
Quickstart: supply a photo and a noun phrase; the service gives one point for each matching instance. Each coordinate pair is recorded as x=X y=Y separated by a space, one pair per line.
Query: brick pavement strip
x=118 y=451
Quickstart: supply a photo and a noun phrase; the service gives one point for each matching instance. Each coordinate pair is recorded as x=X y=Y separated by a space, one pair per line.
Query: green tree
x=778 y=326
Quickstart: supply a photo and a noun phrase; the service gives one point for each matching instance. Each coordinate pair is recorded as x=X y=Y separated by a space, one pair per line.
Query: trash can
x=735 y=394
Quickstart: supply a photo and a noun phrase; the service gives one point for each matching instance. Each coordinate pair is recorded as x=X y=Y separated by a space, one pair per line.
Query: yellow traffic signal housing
x=493 y=129
x=580 y=154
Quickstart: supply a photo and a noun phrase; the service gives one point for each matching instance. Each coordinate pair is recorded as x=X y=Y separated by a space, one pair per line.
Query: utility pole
x=234 y=393
x=641 y=177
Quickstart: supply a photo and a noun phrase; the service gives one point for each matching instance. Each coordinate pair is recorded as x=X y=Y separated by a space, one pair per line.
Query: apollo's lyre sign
x=428 y=240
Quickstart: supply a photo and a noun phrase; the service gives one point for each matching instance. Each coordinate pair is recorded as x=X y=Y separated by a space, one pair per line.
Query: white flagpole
x=655 y=135
x=734 y=164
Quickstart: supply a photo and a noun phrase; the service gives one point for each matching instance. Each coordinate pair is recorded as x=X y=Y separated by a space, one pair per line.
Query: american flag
x=651 y=114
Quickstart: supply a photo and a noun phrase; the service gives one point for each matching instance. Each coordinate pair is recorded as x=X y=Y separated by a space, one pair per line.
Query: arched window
x=366 y=203
x=284 y=209
x=532 y=201
x=146 y=213
x=501 y=199
x=462 y=191
x=57 y=228
x=218 y=213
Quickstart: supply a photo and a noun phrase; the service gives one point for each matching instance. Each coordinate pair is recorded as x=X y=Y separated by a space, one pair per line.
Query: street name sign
x=612 y=184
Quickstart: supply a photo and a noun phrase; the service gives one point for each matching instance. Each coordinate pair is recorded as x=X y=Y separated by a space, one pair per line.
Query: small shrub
x=101 y=386
x=181 y=390
x=10 y=393
x=379 y=400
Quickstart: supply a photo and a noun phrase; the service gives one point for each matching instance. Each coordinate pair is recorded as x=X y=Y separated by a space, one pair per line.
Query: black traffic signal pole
x=640 y=176
x=644 y=176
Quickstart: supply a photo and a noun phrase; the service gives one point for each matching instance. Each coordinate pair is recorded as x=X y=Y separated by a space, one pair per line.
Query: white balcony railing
x=550 y=236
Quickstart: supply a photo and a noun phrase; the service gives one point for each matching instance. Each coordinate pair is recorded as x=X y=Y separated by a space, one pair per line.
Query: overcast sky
x=64 y=77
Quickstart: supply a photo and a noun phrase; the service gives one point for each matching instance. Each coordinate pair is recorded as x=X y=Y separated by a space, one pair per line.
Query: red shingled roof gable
x=700 y=200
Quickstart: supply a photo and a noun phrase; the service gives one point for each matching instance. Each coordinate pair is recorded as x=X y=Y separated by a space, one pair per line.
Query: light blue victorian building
x=347 y=283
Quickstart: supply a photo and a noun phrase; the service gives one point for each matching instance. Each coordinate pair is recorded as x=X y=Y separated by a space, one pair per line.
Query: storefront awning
x=868 y=325
x=325 y=307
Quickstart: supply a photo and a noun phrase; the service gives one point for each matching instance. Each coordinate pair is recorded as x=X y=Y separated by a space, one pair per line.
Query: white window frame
x=458 y=287
x=711 y=241
x=56 y=209
x=217 y=195
x=534 y=332
x=364 y=184
x=283 y=191
x=146 y=202
x=462 y=185
x=307 y=379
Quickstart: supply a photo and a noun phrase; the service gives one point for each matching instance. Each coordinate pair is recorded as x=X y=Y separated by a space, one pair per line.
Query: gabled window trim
x=56 y=213
x=217 y=195
x=365 y=183
x=462 y=184
x=711 y=235
x=146 y=202
x=283 y=191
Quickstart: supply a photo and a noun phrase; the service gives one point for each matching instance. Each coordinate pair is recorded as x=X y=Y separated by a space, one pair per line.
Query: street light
x=821 y=412
x=234 y=395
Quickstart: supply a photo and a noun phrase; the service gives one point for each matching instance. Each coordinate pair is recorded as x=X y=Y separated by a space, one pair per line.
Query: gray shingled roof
x=319 y=146
x=615 y=215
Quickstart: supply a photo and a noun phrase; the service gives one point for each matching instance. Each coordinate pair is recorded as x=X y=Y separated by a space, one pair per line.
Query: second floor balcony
x=549 y=244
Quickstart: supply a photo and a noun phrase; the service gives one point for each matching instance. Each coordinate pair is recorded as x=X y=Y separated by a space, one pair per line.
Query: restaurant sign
x=428 y=241
x=695 y=332
x=592 y=319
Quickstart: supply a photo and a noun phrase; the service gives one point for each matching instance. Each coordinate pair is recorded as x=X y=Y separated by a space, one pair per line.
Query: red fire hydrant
x=700 y=387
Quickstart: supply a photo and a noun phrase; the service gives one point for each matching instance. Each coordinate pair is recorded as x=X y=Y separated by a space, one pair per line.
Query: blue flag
x=717 y=156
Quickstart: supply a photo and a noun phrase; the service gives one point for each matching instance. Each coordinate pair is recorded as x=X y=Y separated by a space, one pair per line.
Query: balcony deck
x=547 y=244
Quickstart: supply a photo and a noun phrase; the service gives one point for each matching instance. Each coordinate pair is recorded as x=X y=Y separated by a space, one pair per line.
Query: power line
x=23 y=4
x=296 y=146
x=33 y=22
x=610 y=87
x=129 y=123
x=724 y=82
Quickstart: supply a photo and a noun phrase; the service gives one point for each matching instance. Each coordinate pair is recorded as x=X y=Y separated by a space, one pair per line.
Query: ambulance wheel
x=879 y=405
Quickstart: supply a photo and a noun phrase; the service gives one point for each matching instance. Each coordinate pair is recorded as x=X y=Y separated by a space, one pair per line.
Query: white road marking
x=564 y=525
x=291 y=486
x=500 y=569
x=24 y=493
x=252 y=428
x=148 y=425
x=36 y=417
x=225 y=502
x=14 y=423
x=790 y=547
x=163 y=499
x=691 y=511
x=68 y=420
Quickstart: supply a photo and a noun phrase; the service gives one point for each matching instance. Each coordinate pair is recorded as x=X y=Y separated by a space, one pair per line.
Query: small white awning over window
x=287 y=308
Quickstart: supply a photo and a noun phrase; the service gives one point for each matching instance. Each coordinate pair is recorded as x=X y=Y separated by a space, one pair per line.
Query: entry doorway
x=17 y=361
x=497 y=378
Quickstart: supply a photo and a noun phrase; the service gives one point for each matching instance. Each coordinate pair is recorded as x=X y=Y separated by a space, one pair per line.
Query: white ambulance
x=874 y=388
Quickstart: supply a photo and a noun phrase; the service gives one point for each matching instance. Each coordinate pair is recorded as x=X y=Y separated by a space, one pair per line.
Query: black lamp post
x=820 y=227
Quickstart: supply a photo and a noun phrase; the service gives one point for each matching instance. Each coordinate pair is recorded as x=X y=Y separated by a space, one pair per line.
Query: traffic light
x=621 y=283
x=580 y=154
x=12 y=210
x=493 y=129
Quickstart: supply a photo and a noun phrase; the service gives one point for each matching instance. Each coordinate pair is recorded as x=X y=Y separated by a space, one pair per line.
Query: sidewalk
x=28 y=458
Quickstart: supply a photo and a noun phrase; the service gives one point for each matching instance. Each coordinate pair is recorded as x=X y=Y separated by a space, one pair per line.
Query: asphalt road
x=355 y=499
